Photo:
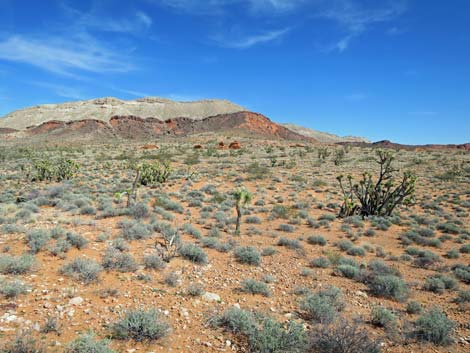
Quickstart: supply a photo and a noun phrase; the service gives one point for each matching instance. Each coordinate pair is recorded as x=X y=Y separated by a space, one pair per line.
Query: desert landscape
x=234 y=235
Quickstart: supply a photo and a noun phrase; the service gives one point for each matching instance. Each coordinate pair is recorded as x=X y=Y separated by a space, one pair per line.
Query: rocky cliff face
x=104 y=108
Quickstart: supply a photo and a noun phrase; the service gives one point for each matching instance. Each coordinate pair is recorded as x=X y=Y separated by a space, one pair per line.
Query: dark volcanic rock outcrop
x=134 y=127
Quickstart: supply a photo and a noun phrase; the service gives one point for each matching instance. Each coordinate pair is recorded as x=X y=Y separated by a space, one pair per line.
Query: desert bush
x=141 y=325
x=434 y=326
x=168 y=204
x=356 y=251
x=288 y=228
x=345 y=245
x=323 y=306
x=368 y=198
x=461 y=271
x=383 y=317
x=172 y=279
x=16 y=265
x=76 y=240
x=465 y=249
x=24 y=342
x=60 y=247
x=193 y=253
x=37 y=239
x=82 y=269
x=262 y=334
x=247 y=255
x=463 y=297
x=348 y=271
x=11 y=289
x=389 y=286
x=139 y=210
x=154 y=262
x=342 y=338
x=114 y=259
x=134 y=230
x=289 y=243
x=439 y=283
x=414 y=308
x=253 y=286
x=87 y=343
x=191 y=230
x=316 y=240
x=321 y=262
x=195 y=290
x=269 y=251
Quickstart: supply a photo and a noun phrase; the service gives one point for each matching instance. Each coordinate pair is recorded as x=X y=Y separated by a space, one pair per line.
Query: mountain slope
x=323 y=136
x=136 y=128
x=105 y=108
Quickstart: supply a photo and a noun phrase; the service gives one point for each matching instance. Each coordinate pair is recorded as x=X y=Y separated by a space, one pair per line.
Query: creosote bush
x=434 y=326
x=82 y=269
x=141 y=325
x=87 y=343
x=247 y=255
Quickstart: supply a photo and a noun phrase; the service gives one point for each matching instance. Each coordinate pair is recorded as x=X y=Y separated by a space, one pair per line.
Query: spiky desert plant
x=242 y=198
x=380 y=198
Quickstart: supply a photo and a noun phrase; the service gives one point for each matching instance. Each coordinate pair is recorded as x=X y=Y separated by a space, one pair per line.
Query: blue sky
x=389 y=69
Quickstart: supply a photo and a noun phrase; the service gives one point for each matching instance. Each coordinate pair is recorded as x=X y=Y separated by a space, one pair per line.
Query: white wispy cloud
x=97 y=19
x=131 y=92
x=355 y=19
x=251 y=40
x=63 y=55
x=217 y=7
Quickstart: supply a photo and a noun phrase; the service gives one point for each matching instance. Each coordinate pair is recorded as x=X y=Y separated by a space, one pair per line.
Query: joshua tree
x=242 y=198
x=369 y=198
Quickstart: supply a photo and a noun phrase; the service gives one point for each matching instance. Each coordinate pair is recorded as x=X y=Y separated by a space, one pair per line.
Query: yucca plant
x=380 y=198
x=242 y=198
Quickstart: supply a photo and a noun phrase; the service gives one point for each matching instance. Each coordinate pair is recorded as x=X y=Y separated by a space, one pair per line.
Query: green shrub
x=82 y=269
x=141 y=325
x=154 y=262
x=76 y=240
x=463 y=297
x=323 y=306
x=356 y=251
x=434 y=326
x=37 y=239
x=462 y=272
x=247 y=255
x=114 y=259
x=383 y=317
x=87 y=343
x=345 y=245
x=16 y=265
x=253 y=286
x=414 y=308
x=11 y=289
x=316 y=240
x=193 y=253
x=342 y=338
x=348 y=271
x=289 y=243
x=389 y=286
x=262 y=334
x=321 y=262
x=465 y=249
x=23 y=343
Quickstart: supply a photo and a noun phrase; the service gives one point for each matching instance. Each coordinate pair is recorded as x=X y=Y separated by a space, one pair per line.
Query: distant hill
x=324 y=137
x=104 y=108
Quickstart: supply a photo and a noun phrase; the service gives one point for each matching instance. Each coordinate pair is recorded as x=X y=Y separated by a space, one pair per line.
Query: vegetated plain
x=97 y=258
